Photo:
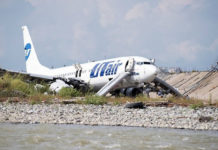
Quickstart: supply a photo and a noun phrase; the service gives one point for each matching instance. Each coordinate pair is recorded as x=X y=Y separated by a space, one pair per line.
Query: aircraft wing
x=111 y=84
x=164 y=85
x=43 y=77
x=77 y=83
x=28 y=77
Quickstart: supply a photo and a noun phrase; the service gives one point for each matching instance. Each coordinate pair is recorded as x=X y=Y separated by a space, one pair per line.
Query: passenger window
x=147 y=63
x=76 y=73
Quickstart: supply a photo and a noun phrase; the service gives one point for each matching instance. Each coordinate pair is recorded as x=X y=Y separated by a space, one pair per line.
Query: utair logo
x=27 y=49
x=106 y=68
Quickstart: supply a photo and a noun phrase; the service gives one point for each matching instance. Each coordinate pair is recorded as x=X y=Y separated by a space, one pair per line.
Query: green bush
x=67 y=92
x=12 y=93
x=5 y=82
x=13 y=86
x=196 y=106
x=96 y=100
x=19 y=85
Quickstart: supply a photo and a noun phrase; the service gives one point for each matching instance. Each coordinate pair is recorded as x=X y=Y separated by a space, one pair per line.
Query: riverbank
x=205 y=118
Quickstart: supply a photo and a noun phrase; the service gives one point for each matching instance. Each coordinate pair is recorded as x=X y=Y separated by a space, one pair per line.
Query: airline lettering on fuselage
x=106 y=68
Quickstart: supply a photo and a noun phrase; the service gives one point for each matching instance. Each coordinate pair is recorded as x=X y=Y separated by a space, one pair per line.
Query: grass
x=40 y=98
x=19 y=85
x=9 y=86
x=5 y=82
x=139 y=98
x=191 y=102
x=16 y=83
x=95 y=100
x=67 y=92
x=15 y=86
x=196 y=106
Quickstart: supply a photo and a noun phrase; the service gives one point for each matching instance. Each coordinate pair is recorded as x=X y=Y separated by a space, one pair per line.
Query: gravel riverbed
x=164 y=117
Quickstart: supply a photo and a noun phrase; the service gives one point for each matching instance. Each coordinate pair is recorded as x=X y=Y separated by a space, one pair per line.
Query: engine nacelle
x=133 y=92
x=130 y=92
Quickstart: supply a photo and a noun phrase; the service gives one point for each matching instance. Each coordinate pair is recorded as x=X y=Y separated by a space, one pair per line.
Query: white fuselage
x=97 y=74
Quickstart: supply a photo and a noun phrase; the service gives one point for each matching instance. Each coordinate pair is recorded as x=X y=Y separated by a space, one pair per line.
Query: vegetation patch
x=41 y=98
x=19 y=85
x=95 y=100
x=67 y=92
x=12 y=93
x=5 y=82
x=196 y=106
x=15 y=86
x=192 y=103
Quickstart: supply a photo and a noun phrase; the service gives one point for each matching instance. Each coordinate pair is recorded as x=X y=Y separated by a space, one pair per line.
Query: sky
x=177 y=33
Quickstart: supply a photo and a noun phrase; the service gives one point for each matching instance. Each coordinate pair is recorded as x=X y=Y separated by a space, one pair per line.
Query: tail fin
x=33 y=65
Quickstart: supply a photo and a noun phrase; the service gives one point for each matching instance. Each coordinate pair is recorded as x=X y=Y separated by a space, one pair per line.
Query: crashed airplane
x=126 y=75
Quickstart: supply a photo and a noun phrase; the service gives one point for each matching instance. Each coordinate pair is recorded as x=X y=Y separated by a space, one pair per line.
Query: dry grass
x=40 y=98
x=140 y=98
x=193 y=103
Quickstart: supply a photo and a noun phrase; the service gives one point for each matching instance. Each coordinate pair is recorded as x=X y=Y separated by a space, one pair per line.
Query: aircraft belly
x=98 y=83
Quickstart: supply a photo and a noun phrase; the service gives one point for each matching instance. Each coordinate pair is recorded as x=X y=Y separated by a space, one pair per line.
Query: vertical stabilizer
x=33 y=65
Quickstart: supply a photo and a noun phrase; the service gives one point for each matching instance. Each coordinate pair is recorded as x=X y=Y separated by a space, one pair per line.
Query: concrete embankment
x=166 y=117
x=199 y=85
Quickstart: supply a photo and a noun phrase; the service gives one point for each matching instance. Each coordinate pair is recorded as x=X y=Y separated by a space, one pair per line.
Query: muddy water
x=56 y=137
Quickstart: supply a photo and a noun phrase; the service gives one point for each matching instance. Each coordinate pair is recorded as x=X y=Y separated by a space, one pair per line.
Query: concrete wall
x=206 y=89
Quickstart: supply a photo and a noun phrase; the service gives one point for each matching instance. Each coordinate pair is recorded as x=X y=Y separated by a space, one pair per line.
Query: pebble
x=170 y=117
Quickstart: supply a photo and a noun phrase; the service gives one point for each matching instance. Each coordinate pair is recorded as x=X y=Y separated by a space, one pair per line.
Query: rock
x=159 y=104
x=205 y=119
x=69 y=102
x=171 y=117
x=138 y=105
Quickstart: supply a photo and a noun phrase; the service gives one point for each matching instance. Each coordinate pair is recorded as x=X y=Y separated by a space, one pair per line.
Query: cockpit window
x=142 y=63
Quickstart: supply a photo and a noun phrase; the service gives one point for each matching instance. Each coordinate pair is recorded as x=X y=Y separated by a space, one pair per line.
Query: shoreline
x=176 y=117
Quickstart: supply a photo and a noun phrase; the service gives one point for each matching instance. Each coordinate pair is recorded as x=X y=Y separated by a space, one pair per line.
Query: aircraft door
x=129 y=65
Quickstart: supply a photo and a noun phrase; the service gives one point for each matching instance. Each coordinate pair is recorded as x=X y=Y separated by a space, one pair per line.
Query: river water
x=56 y=137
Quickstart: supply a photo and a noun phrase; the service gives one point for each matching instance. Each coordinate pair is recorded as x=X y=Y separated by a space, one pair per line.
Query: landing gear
x=130 y=92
